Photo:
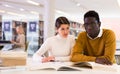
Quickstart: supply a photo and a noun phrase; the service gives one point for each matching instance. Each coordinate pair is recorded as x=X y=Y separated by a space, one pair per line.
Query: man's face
x=92 y=26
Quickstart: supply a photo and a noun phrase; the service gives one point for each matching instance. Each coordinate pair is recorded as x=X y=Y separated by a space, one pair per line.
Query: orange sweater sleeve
x=110 y=46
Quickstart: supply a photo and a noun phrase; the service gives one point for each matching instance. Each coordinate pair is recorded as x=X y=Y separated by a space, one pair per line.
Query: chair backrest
x=117 y=57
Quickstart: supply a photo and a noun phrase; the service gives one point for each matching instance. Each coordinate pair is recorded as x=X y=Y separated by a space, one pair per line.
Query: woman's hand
x=12 y=41
x=48 y=59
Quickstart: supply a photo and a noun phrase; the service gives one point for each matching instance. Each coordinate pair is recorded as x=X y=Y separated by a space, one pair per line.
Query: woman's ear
x=56 y=31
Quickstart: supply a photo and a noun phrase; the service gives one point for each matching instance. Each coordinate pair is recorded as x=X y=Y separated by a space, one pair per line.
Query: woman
x=59 y=46
x=19 y=42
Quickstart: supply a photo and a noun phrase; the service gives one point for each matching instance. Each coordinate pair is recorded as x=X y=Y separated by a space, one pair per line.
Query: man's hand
x=48 y=59
x=104 y=61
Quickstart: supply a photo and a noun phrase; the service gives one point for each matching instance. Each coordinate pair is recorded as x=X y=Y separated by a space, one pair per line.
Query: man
x=94 y=44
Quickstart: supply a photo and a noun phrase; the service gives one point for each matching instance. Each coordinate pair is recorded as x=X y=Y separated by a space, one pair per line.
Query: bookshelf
x=0 y=30
x=8 y=31
x=76 y=28
x=14 y=25
x=41 y=33
x=35 y=36
x=8 y=28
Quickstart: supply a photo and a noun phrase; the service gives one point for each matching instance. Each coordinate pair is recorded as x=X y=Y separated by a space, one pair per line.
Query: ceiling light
x=7 y=5
x=2 y=11
x=61 y=12
x=21 y=9
x=33 y=12
x=78 y=4
x=32 y=2
x=12 y=13
x=118 y=2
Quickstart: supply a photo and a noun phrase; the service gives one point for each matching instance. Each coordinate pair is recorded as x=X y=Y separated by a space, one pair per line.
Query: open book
x=82 y=65
x=61 y=66
x=72 y=66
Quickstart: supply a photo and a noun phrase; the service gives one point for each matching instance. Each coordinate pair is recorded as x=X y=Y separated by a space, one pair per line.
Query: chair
x=117 y=57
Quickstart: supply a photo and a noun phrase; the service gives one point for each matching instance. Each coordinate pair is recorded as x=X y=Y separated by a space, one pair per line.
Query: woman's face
x=18 y=30
x=63 y=30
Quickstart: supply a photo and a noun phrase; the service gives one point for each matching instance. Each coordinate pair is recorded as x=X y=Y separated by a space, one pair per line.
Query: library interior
x=34 y=22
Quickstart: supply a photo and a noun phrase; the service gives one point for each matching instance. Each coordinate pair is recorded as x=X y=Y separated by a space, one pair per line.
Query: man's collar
x=99 y=35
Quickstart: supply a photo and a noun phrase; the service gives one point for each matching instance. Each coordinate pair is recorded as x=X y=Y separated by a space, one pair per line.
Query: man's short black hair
x=92 y=13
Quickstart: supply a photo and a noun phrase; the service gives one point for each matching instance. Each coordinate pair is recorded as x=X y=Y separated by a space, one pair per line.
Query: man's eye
x=67 y=28
x=62 y=29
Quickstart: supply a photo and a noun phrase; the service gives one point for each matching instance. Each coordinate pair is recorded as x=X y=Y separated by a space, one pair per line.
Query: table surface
x=24 y=70
x=83 y=71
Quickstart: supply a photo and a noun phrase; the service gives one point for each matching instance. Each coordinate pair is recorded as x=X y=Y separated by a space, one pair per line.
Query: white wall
x=113 y=24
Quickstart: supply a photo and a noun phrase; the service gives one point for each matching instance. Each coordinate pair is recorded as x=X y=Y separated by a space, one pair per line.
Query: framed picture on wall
x=6 y=26
x=32 y=26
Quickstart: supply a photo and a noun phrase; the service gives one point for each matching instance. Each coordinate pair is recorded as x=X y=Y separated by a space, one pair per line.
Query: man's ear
x=99 y=24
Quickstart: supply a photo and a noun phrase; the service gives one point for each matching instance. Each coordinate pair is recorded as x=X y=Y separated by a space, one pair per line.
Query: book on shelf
x=61 y=66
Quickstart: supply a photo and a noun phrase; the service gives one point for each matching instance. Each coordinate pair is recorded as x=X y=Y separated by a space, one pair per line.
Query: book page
x=41 y=66
x=68 y=68
x=73 y=66
x=46 y=66
x=97 y=66
x=58 y=66
x=82 y=65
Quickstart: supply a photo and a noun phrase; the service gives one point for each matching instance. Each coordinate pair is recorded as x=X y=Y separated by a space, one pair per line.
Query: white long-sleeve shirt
x=56 y=46
x=20 y=41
